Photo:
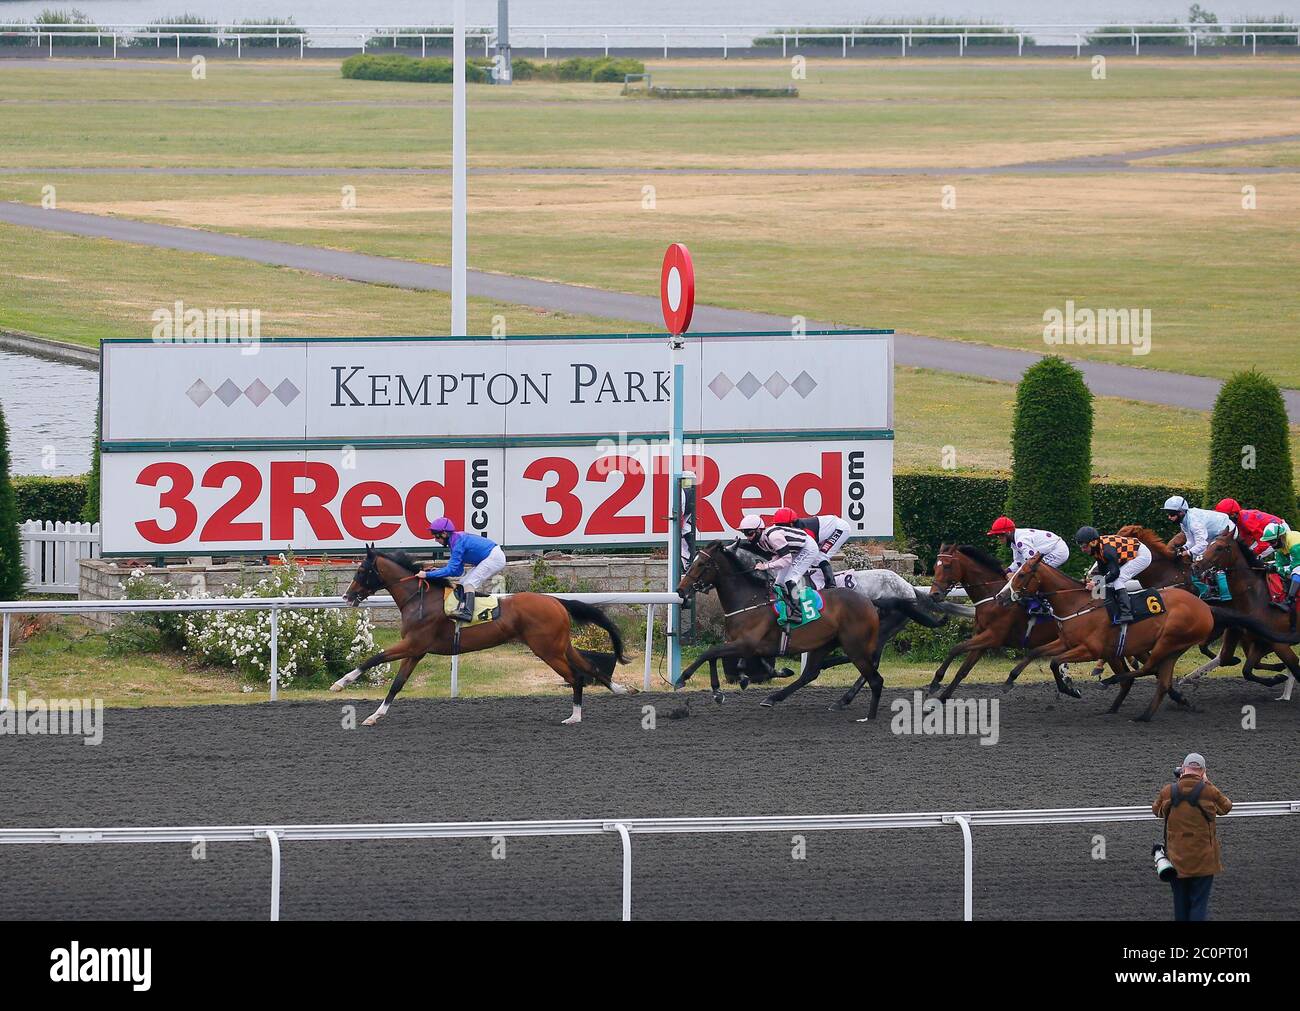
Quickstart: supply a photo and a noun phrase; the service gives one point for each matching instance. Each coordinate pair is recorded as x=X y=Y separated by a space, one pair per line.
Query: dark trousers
x=1192 y=897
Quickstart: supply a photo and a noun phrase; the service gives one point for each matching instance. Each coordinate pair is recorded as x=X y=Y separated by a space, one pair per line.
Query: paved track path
x=1147 y=385
x=1118 y=162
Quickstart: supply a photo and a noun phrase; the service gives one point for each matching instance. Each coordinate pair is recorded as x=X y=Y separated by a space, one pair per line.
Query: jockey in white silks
x=792 y=551
x=1027 y=543
x=1199 y=527
x=829 y=533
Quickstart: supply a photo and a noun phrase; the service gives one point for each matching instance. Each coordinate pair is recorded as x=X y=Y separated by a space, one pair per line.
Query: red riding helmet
x=1228 y=505
x=784 y=515
x=1002 y=525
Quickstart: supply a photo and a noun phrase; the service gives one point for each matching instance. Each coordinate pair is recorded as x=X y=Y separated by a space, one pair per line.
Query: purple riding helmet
x=442 y=525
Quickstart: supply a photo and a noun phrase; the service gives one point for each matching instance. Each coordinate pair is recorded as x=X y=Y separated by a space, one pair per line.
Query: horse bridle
x=946 y=558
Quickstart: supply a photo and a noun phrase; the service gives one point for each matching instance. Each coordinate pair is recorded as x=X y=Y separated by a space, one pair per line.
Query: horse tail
x=1223 y=618
x=585 y=614
x=918 y=612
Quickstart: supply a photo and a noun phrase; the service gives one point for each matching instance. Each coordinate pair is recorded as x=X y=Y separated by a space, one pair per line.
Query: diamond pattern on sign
x=721 y=385
x=804 y=384
x=749 y=385
x=776 y=384
x=199 y=393
x=228 y=392
x=257 y=392
x=286 y=392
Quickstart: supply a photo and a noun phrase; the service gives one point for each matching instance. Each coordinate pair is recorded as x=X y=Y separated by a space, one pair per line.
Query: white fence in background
x=1238 y=34
x=8 y=608
x=52 y=553
x=624 y=827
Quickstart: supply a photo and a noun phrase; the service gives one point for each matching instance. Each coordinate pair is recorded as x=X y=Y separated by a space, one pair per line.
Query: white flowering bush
x=315 y=646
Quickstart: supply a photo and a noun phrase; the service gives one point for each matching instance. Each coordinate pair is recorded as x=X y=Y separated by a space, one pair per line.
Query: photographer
x=1189 y=807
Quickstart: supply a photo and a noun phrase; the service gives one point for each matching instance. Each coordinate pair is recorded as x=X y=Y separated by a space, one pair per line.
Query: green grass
x=873 y=251
x=81 y=290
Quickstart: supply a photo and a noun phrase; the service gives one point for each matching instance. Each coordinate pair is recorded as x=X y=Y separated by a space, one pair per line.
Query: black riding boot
x=1123 y=605
x=828 y=574
x=465 y=611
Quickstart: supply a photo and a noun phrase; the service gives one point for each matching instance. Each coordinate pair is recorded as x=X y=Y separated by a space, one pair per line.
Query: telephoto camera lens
x=1164 y=869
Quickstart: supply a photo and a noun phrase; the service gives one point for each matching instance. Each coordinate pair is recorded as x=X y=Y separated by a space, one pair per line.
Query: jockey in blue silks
x=484 y=554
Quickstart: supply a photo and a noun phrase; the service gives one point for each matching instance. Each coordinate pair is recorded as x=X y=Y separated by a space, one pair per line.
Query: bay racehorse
x=1248 y=581
x=1087 y=633
x=848 y=620
x=1172 y=567
x=996 y=627
x=539 y=621
x=897 y=603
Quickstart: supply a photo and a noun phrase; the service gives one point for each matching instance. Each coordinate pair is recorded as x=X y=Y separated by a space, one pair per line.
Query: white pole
x=649 y=642
x=458 y=195
x=627 y=871
x=455 y=675
x=275 y=875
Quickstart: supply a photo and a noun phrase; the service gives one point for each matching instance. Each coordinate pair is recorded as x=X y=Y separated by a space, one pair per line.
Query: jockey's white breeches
x=803 y=560
x=482 y=573
x=1131 y=568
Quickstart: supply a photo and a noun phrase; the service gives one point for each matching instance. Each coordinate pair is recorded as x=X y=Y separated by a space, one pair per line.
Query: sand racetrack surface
x=485 y=759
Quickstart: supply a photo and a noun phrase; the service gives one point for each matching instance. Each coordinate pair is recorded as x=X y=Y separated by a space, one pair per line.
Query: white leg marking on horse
x=1287 y=689
x=376 y=716
x=575 y=718
x=617 y=688
x=345 y=680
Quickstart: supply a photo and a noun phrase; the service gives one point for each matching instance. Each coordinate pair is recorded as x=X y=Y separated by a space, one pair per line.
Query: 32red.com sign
x=322 y=500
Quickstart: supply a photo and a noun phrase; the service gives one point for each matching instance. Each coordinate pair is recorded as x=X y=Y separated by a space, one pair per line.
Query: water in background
x=50 y=410
x=768 y=13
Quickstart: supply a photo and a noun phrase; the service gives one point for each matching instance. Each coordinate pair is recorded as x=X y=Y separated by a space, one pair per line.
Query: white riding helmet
x=1176 y=504
x=750 y=522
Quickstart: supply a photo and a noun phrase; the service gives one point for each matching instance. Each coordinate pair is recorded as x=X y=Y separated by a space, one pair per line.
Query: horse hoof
x=744 y=682
x=933 y=687
x=717 y=697
x=1074 y=693
x=838 y=707
x=768 y=702
x=1141 y=719
x=865 y=719
x=1008 y=688
x=369 y=721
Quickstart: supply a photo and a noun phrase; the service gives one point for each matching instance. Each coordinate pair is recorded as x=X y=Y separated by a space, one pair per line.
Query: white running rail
x=52 y=552
x=624 y=827
x=8 y=608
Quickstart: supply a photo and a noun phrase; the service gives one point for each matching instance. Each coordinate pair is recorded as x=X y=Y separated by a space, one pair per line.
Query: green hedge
x=578 y=68
x=51 y=498
x=395 y=67
x=933 y=508
x=1051 y=451
x=12 y=576
x=1250 y=446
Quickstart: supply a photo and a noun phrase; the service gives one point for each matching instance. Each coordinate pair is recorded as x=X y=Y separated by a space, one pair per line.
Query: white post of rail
x=968 y=863
x=649 y=642
x=458 y=187
x=627 y=871
x=275 y=652
x=274 y=840
x=4 y=665
x=455 y=675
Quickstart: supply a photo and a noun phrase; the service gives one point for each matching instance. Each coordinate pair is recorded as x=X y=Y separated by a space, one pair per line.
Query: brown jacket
x=1193 y=844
